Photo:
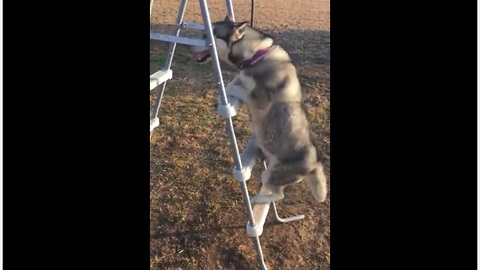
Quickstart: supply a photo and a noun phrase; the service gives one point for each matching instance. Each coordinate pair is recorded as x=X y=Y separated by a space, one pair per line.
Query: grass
x=197 y=211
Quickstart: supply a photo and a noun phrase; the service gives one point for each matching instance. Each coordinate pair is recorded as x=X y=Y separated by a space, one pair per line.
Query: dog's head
x=226 y=33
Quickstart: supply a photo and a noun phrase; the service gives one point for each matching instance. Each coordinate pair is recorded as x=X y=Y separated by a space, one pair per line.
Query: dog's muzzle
x=201 y=54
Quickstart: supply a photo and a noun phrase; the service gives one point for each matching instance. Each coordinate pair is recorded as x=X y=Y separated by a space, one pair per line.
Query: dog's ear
x=228 y=18
x=239 y=29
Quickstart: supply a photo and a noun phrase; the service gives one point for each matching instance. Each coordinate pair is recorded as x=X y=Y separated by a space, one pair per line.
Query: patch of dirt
x=197 y=213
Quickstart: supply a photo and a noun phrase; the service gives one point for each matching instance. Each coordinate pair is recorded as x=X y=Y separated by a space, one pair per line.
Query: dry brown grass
x=197 y=213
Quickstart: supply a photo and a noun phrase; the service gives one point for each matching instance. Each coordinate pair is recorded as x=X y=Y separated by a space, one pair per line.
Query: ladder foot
x=288 y=219
x=155 y=122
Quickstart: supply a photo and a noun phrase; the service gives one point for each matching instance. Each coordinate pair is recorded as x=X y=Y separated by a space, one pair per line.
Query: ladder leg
x=231 y=132
x=224 y=101
x=169 y=59
x=258 y=247
x=221 y=87
x=230 y=9
x=151 y=5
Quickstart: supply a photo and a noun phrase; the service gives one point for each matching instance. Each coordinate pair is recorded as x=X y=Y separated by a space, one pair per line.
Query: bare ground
x=197 y=213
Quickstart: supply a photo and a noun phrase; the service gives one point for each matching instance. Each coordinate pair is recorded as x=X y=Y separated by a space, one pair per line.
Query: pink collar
x=259 y=54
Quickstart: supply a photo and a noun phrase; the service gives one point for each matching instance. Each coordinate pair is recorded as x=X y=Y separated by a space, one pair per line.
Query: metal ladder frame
x=227 y=107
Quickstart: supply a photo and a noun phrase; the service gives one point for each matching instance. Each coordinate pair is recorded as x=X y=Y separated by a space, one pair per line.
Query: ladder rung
x=155 y=122
x=248 y=158
x=230 y=110
x=192 y=25
x=181 y=40
x=159 y=77
x=260 y=212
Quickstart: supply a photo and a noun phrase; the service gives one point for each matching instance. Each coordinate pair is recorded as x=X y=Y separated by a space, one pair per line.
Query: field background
x=197 y=216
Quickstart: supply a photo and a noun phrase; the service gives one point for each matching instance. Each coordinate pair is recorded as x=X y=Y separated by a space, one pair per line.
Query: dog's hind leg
x=277 y=177
x=275 y=192
x=317 y=181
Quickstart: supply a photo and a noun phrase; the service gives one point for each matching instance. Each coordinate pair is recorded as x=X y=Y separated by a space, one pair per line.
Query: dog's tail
x=317 y=181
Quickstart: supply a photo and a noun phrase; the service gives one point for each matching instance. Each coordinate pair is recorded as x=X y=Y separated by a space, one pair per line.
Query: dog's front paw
x=230 y=89
x=236 y=92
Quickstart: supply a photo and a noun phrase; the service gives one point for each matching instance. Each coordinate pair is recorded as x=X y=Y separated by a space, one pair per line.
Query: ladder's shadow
x=208 y=230
x=300 y=44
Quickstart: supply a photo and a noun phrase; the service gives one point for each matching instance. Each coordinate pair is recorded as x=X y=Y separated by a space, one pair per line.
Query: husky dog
x=268 y=84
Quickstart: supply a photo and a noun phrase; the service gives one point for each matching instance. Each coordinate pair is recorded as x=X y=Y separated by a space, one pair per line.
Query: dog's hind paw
x=262 y=198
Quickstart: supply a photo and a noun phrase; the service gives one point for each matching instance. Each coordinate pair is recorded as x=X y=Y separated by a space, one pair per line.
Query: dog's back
x=280 y=121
